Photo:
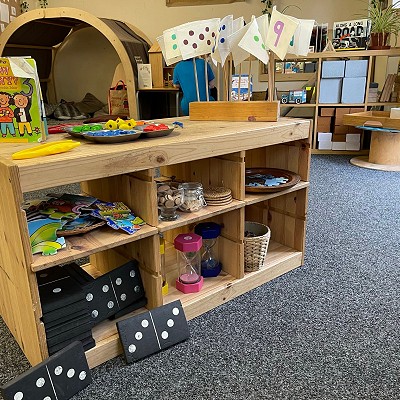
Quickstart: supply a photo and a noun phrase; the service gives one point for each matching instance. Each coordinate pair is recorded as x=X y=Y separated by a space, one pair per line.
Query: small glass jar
x=169 y=198
x=188 y=247
x=193 y=197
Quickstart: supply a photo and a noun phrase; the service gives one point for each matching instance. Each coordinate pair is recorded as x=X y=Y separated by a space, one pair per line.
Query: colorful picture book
x=351 y=35
x=22 y=117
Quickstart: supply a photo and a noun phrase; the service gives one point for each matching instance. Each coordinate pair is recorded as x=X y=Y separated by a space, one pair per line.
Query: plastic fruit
x=125 y=127
x=119 y=121
x=131 y=123
x=111 y=125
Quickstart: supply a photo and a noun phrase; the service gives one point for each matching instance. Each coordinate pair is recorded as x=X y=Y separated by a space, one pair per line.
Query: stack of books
x=373 y=92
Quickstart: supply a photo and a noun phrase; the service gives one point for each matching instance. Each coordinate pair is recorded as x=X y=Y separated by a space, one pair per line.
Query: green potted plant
x=385 y=21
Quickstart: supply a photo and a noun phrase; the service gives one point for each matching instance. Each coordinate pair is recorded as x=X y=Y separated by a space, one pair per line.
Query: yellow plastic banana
x=59 y=146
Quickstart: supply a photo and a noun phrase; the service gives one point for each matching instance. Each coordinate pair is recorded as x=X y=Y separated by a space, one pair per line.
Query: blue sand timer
x=210 y=265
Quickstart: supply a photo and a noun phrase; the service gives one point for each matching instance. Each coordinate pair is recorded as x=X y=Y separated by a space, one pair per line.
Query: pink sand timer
x=188 y=247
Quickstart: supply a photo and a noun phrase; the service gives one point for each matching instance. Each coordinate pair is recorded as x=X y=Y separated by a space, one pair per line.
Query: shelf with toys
x=212 y=153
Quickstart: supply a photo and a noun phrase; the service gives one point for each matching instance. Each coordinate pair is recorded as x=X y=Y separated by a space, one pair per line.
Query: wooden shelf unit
x=213 y=153
x=370 y=55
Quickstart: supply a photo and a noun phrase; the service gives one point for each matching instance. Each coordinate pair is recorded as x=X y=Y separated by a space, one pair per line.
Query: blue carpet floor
x=328 y=330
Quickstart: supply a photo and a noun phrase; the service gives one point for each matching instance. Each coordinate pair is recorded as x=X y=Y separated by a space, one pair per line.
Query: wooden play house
x=71 y=45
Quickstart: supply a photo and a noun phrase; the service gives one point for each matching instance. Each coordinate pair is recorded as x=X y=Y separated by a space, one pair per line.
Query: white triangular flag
x=197 y=38
x=280 y=32
x=300 y=42
x=237 y=24
x=168 y=61
x=252 y=43
x=221 y=50
x=238 y=54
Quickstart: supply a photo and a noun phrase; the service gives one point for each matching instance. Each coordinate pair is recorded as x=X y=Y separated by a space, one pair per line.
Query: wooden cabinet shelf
x=370 y=55
x=213 y=153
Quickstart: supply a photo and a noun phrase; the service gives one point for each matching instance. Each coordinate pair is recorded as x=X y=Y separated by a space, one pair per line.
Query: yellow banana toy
x=46 y=149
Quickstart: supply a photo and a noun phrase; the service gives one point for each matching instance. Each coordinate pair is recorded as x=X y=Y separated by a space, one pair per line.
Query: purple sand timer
x=188 y=247
x=210 y=265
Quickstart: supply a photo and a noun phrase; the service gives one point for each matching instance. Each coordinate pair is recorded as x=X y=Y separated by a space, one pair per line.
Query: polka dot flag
x=220 y=49
x=299 y=45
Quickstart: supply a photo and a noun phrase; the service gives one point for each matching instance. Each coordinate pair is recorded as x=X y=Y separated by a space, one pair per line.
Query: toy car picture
x=294 y=96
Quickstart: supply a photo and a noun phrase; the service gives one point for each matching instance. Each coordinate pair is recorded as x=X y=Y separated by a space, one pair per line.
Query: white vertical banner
x=300 y=42
x=280 y=32
x=253 y=43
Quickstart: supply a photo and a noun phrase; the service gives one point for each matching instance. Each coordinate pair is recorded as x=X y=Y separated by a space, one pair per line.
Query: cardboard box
x=339 y=137
x=324 y=124
x=353 y=137
x=340 y=111
x=324 y=145
x=340 y=129
x=353 y=90
x=354 y=146
x=356 y=68
x=22 y=117
x=330 y=90
x=9 y=10
x=324 y=136
x=327 y=111
x=356 y=110
x=333 y=69
x=338 y=145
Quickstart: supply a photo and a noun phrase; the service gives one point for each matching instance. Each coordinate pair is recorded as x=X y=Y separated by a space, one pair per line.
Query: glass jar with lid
x=193 y=199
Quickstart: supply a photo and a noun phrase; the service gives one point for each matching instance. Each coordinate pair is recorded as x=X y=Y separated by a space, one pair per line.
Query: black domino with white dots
x=117 y=292
x=152 y=331
x=59 y=377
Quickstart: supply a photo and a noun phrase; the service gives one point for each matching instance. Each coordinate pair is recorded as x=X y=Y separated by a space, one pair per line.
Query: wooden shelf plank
x=216 y=291
x=92 y=242
x=252 y=198
x=203 y=213
x=337 y=152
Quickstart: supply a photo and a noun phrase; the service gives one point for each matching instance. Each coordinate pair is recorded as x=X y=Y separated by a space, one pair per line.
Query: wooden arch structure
x=40 y=33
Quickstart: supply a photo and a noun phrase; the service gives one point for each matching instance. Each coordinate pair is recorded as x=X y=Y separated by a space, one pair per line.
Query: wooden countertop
x=197 y=140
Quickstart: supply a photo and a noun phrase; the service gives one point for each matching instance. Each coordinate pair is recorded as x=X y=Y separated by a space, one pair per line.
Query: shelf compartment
x=285 y=216
x=293 y=156
x=225 y=171
x=84 y=245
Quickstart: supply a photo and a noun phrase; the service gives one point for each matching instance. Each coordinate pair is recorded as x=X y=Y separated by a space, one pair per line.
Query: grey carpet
x=328 y=330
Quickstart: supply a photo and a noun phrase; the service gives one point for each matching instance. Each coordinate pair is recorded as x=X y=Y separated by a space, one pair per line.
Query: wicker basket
x=255 y=248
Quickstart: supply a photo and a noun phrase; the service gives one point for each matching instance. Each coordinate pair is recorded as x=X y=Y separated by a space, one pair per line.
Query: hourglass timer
x=188 y=247
x=210 y=265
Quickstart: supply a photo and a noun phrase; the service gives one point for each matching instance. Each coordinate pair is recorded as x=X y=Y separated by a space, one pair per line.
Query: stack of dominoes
x=73 y=301
x=65 y=310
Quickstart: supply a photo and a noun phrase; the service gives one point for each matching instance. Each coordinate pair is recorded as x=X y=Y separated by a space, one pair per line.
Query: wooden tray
x=372 y=118
x=293 y=179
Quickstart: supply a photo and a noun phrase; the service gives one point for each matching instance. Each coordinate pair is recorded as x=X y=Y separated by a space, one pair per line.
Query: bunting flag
x=197 y=38
x=168 y=61
x=280 y=32
x=253 y=43
x=300 y=42
x=220 y=50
